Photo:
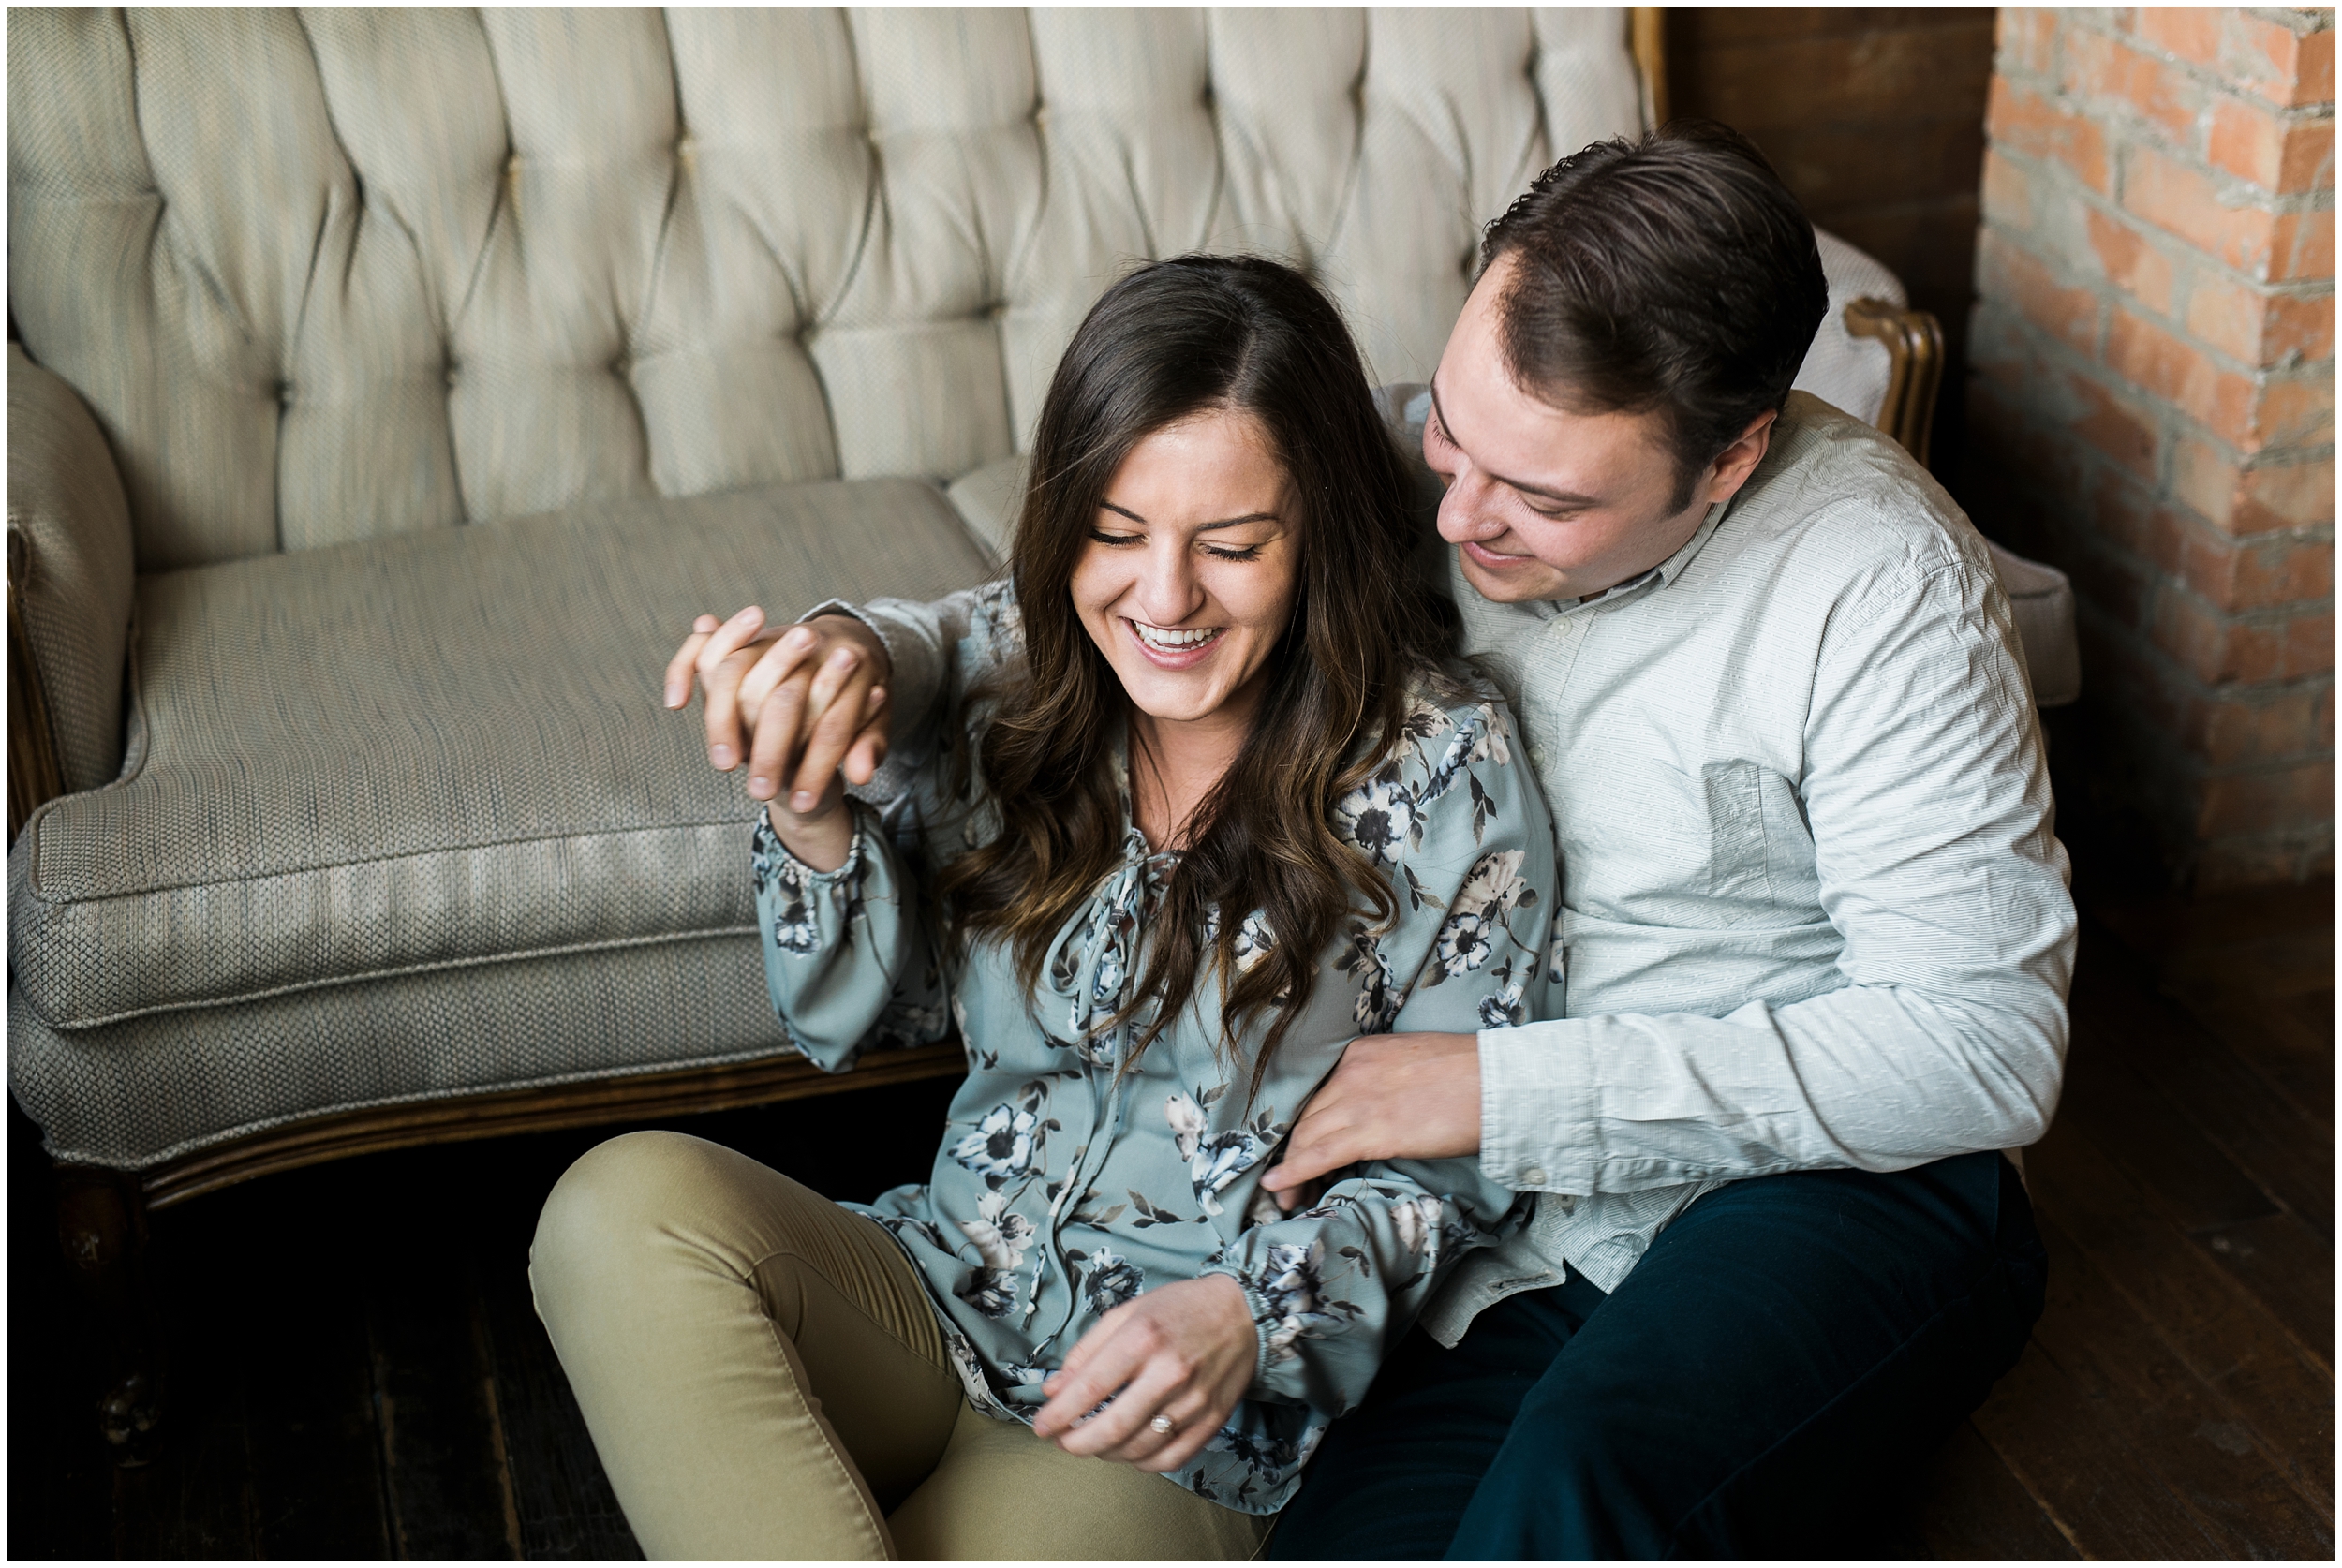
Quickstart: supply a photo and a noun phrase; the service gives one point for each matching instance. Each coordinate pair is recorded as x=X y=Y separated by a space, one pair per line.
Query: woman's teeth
x=1174 y=641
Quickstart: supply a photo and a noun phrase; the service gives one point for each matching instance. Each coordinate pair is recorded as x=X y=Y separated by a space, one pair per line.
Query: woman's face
x=1188 y=580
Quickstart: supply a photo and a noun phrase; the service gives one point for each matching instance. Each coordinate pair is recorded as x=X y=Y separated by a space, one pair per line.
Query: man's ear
x=1732 y=466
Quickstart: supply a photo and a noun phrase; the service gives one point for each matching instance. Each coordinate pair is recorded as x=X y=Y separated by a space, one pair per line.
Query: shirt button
x=1534 y=1176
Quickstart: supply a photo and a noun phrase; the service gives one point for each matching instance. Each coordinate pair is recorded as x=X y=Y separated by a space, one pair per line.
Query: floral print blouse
x=1061 y=1191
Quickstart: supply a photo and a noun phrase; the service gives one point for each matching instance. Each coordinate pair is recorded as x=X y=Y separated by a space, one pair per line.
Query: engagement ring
x=1164 y=1424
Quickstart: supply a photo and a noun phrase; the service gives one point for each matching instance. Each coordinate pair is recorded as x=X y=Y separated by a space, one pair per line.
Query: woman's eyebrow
x=1200 y=528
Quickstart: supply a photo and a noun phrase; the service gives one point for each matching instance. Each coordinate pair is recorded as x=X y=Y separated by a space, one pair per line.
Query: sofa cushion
x=166 y=1084
x=433 y=749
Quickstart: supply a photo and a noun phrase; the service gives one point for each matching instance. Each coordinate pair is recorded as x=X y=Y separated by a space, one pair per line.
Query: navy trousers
x=1768 y=1383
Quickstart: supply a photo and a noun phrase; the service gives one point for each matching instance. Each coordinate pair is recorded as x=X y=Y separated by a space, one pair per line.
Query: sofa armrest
x=71 y=573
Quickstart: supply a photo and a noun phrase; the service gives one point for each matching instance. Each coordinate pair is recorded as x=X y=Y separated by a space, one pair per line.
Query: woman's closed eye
x=1217 y=552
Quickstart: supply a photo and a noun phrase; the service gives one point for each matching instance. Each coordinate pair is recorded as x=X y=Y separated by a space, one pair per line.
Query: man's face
x=1546 y=504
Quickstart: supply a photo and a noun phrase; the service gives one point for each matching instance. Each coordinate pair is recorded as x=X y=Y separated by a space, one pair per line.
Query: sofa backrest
x=326 y=275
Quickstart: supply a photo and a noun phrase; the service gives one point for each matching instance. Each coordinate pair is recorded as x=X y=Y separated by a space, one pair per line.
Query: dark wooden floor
x=359 y=1373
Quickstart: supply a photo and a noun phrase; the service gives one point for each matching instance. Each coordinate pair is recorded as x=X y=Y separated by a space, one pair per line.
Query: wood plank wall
x=1875 y=115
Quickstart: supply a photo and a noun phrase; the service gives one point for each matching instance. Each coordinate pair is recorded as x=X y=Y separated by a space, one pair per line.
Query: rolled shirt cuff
x=1535 y=1117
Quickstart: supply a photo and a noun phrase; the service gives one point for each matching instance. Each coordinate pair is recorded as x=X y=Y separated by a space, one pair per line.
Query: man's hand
x=1392 y=1097
x=1186 y=1350
x=808 y=696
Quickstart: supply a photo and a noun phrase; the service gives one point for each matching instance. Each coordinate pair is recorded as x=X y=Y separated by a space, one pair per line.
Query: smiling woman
x=1213 y=804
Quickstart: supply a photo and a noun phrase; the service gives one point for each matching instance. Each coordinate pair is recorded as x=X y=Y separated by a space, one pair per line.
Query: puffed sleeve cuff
x=1537 y=1107
x=1264 y=1324
x=776 y=861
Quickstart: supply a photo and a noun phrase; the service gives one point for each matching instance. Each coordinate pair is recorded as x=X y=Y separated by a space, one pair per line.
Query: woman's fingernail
x=719 y=755
x=761 y=787
x=801 y=802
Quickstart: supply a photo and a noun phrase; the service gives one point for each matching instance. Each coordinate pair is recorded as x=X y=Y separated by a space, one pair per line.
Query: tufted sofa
x=386 y=389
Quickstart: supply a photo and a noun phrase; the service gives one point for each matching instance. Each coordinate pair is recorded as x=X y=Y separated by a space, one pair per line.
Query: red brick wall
x=2152 y=403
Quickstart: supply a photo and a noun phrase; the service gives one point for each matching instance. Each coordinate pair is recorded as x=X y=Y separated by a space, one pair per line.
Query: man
x=1814 y=933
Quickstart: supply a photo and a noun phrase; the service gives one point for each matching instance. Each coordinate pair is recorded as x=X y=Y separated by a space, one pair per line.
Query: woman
x=1220 y=809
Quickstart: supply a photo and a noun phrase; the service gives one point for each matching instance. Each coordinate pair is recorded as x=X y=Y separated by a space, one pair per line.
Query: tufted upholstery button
x=685 y=146
x=621 y=364
x=454 y=373
x=513 y=167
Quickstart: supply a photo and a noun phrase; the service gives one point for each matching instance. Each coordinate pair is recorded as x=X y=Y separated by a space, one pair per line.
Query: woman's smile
x=1174 y=649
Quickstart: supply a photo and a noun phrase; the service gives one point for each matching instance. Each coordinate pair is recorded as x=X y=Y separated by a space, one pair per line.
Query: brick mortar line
x=2289 y=371
x=2150 y=131
x=2071 y=186
x=2162 y=239
x=2180 y=770
x=2078 y=19
x=2274 y=456
x=2175 y=677
x=2288 y=368
x=2252 y=693
x=2310 y=534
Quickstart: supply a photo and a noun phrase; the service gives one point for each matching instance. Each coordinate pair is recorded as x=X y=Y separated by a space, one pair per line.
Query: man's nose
x=1168 y=591
x=1465 y=510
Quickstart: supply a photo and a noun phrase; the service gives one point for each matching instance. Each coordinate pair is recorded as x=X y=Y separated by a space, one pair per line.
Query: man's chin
x=1529 y=580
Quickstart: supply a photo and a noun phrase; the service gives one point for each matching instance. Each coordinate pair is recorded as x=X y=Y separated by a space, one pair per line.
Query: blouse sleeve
x=1470 y=848
x=848 y=960
x=848 y=957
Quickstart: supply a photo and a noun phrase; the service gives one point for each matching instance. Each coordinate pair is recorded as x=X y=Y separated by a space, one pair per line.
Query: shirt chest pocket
x=1718 y=847
x=1734 y=795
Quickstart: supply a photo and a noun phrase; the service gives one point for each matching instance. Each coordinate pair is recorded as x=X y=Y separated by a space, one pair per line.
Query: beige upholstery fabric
x=2041 y=602
x=988 y=502
x=332 y=274
x=378 y=777
x=1845 y=371
x=66 y=504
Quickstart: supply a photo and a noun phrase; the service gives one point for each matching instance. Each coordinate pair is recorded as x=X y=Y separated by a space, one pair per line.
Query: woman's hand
x=1187 y=1351
x=807 y=697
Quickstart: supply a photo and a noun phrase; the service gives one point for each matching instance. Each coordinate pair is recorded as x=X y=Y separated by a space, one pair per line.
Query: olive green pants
x=763 y=1377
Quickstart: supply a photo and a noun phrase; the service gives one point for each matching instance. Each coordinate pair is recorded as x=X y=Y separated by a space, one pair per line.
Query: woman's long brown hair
x=1168 y=341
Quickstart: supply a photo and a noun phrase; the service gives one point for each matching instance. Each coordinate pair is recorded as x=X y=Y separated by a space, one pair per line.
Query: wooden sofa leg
x=101 y=1224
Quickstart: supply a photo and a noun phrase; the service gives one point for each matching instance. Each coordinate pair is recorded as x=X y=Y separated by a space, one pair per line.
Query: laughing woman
x=1220 y=807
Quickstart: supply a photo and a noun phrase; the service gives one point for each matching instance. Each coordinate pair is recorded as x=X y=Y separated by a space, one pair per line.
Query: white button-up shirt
x=1814 y=912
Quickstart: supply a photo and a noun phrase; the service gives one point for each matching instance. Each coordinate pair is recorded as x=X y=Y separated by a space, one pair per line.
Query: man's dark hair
x=1674 y=273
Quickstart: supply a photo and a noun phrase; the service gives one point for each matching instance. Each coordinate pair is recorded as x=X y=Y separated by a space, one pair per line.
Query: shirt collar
x=1653 y=579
